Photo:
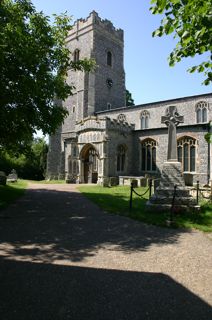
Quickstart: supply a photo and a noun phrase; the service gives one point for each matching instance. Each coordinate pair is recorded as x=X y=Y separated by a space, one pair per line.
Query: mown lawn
x=11 y=192
x=47 y=181
x=116 y=200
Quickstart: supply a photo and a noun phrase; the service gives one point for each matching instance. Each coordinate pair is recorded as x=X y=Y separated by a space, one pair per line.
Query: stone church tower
x=100 y=90
x=104 y=88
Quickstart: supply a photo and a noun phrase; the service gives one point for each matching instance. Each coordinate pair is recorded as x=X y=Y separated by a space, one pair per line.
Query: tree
x=191 y=23
x=129 y=99
x=34 y=61
x=30 y=165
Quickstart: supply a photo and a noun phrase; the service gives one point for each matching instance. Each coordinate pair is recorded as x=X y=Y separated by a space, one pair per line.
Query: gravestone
x=171 y=175
x=12 y=177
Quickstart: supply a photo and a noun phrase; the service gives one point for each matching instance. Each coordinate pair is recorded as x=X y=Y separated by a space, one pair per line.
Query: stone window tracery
x=148 y=155
x=201 y=111
x=144 y=119
x=121 y=158
x=186 y=151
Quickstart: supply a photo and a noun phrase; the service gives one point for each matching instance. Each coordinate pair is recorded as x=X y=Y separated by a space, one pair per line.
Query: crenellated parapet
x=95 y=123
x=119 y=125
x=94 y=21
x=91 y=123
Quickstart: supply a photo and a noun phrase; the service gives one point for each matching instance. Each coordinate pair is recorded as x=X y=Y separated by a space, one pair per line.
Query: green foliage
x=116 y=200
x=191 y=23
x=29 y=165
x=34 y=61
x=49 y=181
x=129 y=99
x=208 y=136
x=11 y=192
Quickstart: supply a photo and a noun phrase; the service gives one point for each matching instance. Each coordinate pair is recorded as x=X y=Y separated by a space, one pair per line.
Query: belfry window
x=144 y=119
x=186 y=150
x=201 y=111
x=148 y=155
x=109 y=58
x=121 y=158
x=76 y=55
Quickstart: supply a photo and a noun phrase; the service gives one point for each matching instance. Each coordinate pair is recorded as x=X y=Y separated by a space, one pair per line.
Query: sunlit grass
x=116 y=200
x=11 y=192
x=47 y=181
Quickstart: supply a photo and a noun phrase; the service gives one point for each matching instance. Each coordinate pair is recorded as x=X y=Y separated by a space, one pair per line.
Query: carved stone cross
x=172 y=119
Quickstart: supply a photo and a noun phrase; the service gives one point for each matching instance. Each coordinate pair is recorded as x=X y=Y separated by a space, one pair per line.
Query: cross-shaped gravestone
x=172 y=119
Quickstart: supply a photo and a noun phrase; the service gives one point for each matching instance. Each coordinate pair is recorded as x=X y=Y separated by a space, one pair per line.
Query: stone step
x=178 y=200
x=157 y=207
x=170 y=192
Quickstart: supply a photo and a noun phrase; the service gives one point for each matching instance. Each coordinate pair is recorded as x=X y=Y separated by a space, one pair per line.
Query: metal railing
x=140 y=195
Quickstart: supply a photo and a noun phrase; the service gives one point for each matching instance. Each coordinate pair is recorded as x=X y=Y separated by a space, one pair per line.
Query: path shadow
x=48 y=225
x=31 y=291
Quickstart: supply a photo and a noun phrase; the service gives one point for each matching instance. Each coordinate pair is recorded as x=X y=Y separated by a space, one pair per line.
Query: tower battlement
x=94 y=21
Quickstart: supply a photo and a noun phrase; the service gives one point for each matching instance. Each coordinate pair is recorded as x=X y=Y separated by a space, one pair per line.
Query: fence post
x=131 y=193
x=150 y=188
x=197 y=192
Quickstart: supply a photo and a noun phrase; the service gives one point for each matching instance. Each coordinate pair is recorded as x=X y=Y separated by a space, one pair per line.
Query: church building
x=102 y=139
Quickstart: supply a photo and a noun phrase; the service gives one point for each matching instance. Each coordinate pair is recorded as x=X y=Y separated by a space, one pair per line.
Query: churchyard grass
x=48 y=181
x=116 y=200
x=11 y=192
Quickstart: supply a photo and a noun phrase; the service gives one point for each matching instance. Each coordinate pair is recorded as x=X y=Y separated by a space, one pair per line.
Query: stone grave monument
x=12 y=177
x=171 y=174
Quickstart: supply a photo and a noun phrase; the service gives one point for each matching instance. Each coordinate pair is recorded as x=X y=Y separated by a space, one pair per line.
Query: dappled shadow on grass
x=10 y=193
x=32 y=291
x=119 y=203
x=51 y=225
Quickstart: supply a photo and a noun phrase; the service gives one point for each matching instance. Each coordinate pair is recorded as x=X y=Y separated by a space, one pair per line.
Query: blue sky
x=148 y=75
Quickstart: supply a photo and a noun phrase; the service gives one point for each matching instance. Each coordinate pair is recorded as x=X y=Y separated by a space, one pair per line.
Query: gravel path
x=61 y=257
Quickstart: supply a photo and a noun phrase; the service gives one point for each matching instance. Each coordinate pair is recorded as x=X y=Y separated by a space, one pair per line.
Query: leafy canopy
x=129 y=99
x=191 y=23
x=30 y=165
x=34 y=61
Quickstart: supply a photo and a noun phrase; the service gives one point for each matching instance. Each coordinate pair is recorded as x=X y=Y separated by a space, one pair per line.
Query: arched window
x=201 y=111
x=144 y=119
x=76 y=55
x=186 y=149
x=121 y=158
x=148 y=155
x=74 y=151
x=109 y=58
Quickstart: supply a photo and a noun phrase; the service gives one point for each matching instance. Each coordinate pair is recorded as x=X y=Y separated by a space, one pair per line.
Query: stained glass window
x=148 y=155
x=186 y=150
x=201 y=111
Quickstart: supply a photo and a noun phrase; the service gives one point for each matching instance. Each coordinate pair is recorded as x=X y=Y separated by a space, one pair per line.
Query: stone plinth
x=162 y=199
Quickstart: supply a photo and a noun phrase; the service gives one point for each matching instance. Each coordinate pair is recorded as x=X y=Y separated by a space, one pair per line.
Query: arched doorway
x=89 y=158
